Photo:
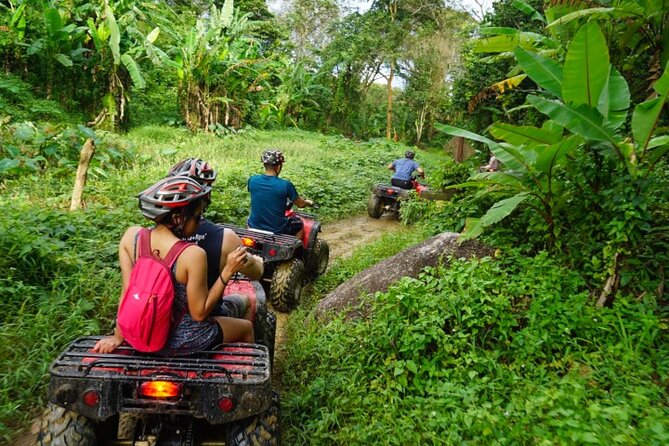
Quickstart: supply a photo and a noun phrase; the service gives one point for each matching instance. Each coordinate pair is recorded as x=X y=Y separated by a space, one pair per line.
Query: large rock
x=410 y=262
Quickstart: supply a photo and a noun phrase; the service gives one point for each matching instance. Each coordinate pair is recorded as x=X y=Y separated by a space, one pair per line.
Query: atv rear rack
x=241 y=372
x=270 y=246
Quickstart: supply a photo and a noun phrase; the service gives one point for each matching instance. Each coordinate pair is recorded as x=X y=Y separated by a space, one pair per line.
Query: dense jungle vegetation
x=560 y=338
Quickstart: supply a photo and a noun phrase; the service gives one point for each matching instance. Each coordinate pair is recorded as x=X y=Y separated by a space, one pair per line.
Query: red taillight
x=160 y=389
x=390 y=191
x=248 y=242
x=91 y=398
x=226 y=404
x=272 y=252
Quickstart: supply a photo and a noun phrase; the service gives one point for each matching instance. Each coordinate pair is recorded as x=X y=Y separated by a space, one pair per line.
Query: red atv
x=218 y=397
x=386 y=198
x=288 y=261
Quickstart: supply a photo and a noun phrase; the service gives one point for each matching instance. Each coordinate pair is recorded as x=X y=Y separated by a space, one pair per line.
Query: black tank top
x=209 y=236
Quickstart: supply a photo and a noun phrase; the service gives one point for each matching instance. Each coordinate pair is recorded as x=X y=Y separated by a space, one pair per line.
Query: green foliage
x=17 y=102
x=29 y=148
x=505 y=351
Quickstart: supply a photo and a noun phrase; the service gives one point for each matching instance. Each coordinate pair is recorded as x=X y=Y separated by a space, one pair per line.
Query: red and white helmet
x=170 y=194
x=195 y=168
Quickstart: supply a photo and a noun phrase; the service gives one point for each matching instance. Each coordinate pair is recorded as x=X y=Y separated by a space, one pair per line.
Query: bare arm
x=253 y=268
x=421 y=172
x=301 y=202
x=391 y=167
x=200 y=299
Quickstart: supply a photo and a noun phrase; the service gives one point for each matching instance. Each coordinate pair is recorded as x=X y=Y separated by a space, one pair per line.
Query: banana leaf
x=544 y=71
x=614 y=102
x=586 y=66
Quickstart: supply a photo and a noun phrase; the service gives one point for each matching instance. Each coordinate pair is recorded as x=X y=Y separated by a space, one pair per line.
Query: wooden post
x=459 y=149
x=85 y=156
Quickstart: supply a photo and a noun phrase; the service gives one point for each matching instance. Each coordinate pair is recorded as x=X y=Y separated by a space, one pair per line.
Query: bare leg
x=236 y=330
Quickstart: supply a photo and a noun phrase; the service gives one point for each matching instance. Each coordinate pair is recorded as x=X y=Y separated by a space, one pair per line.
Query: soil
x=343 y=237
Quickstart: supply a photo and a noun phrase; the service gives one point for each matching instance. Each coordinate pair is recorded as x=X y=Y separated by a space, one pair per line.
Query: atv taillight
x=248 y=242
x=390 y=191
x=226 y=404
x=160 y=389
x=272 y=252
x=91 y=398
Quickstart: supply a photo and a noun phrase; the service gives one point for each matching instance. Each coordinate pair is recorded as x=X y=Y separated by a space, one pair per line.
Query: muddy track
x=343 y=237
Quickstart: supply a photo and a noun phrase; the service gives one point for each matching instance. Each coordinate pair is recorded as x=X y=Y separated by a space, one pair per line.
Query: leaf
x=63 y=60
x=578 y=14
x=454 y=131
x=502 y=209
x=523 y=135
x=471 y=230
x=549 y=157
x=614 y=101
x=544 y=71
x=657 y=154
x=115 y=35
x=153 y=35
x=646 y=114
x=133 y=69
x=586 y=66
x=227 y=11
x=581 y=120
x=506 y=155
x=527 y=9
x=506 y=42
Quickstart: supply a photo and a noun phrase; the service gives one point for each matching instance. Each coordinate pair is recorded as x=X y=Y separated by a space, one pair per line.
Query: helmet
x=170 y=194
x=409 y=154
x=195 y=168
x=272 y=157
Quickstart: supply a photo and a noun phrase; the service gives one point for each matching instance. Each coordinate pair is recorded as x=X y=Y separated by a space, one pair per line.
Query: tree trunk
x=389 y=114
x=85 y=156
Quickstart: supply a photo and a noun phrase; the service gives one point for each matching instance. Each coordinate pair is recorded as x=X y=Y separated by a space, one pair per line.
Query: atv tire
x=262 y=430
x=62 y=427
x=286 y=287
x=127 y=424
x=318 y=261
x=374 y=206
x=265 y=332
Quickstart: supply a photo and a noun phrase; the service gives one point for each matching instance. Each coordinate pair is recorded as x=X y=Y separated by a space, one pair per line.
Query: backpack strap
x=144 y=242
x=144 y=235
x=174 y=252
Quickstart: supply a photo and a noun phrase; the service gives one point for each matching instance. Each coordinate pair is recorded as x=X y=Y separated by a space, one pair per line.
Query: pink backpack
x=145 y=314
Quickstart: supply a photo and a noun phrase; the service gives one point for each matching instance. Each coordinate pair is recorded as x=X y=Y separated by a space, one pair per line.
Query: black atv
x=218 y=397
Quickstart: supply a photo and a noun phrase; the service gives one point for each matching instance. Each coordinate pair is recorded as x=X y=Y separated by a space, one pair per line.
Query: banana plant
x=587 y=102
x=120 y=44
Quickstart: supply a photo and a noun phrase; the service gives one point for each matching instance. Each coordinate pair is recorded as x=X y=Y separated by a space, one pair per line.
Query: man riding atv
x=404 y=169
x=269 y=195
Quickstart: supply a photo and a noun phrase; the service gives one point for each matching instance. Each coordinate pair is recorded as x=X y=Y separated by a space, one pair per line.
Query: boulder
x=350 y=295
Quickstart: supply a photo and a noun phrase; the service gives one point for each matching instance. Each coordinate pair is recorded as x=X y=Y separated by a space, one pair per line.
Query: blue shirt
x=404 y=168
x=268 y=202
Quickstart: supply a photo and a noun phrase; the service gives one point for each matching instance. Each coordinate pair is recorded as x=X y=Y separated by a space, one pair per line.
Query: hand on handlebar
x=309 y=203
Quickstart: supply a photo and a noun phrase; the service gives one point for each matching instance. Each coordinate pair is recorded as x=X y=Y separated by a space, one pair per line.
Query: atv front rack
x=238 y=372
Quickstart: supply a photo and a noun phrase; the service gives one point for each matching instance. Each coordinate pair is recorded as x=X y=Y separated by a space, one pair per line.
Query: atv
x=216 y=397
x=386 y=198
x=288 y=261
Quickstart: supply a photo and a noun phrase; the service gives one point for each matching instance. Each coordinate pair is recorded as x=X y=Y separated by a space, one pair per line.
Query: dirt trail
x=343 y=237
